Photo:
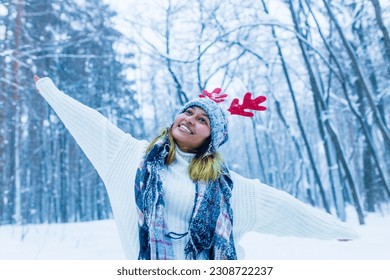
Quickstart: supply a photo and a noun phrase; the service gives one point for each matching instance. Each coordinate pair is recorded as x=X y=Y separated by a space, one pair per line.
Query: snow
x=99 y=240
x=3 y=10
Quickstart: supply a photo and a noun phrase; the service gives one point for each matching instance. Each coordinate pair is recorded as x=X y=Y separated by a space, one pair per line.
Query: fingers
x=36 y=78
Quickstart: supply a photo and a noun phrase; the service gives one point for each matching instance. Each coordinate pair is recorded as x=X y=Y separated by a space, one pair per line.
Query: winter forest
x=323 y=65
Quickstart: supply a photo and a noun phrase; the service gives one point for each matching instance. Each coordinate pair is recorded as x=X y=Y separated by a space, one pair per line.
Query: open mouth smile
x=184 y=128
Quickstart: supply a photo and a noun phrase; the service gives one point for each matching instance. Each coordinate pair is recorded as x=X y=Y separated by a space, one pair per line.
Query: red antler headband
x=235 y=108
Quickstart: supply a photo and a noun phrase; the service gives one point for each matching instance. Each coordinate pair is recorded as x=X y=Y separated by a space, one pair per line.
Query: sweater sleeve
x=264 y=209
x=99 y=139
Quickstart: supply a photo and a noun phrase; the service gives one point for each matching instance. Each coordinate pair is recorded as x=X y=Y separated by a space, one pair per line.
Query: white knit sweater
x=116 y=157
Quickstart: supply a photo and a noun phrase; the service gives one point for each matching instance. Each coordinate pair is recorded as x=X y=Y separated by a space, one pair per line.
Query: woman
x=174 y=198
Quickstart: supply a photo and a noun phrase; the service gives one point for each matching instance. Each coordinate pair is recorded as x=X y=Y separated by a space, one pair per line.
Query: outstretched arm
x=272 y=211
x=99 y=139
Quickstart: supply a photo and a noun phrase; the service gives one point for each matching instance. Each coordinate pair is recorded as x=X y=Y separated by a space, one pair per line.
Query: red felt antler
x=247 y=104
x=215 y=95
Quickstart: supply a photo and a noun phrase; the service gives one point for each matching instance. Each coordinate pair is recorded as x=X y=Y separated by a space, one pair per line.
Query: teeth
x=183 y=127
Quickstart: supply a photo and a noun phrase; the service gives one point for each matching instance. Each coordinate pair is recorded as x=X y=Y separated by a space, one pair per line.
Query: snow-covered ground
x=99 y=240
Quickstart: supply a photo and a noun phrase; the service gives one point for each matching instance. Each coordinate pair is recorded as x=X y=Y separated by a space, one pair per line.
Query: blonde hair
x=202 y=167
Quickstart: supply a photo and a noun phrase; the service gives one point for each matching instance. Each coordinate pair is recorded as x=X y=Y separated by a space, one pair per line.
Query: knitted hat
x=218 y=120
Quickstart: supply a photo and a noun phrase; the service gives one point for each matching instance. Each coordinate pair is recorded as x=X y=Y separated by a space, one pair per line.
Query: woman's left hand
x=36 y=79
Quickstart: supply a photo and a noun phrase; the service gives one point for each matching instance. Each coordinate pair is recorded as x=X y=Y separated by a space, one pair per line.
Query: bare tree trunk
x=321 y=109
x=362 y=121
x=361 y=76
x=198 y=61
x=258 y=152
x=297 y=179
x=16 y=115
x=369 y=185
x=63 y=178
x=252 y=171
x=182 y=97
x=374 y=193
x=385 y=32
x=3 y=130
x=299 y=121
x=339 y=206
x=363 y=48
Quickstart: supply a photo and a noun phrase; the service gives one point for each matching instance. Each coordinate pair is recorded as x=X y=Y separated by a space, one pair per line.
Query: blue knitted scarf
x=210 y=228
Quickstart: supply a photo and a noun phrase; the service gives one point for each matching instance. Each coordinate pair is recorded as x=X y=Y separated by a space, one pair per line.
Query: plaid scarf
x=210 y=228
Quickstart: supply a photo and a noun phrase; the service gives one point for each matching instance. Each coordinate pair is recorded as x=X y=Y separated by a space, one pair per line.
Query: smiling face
x=191 y=128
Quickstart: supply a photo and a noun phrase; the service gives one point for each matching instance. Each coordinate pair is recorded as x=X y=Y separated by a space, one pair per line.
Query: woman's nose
x=190 y=119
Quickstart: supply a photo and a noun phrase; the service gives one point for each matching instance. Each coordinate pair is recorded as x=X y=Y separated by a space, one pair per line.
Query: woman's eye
x=202 y=120
x=188 y=112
